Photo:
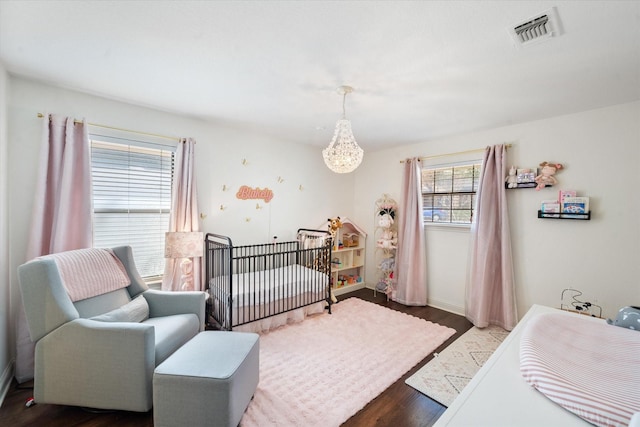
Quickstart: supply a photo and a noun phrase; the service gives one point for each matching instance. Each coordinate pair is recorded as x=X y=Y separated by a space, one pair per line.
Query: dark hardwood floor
x=399 y=405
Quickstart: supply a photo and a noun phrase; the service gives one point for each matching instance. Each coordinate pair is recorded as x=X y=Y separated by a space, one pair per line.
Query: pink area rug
x=322 y=371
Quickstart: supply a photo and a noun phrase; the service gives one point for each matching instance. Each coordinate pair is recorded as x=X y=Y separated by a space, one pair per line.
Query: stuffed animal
x=334 y=226
x=385 y=221
x=547 y=173
x=628 y=317
x=381 y=286
x=387 y=264
x=512 y=179
x=388 y=240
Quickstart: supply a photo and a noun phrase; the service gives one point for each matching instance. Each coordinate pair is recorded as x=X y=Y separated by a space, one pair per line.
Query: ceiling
x=420 y=69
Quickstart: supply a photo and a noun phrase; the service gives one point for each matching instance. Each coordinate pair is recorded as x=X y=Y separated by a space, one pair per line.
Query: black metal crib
x=254 y=282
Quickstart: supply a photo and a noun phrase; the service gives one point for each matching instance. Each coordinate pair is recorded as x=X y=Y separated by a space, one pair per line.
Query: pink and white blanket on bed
x=86 y=273
x=585 y=365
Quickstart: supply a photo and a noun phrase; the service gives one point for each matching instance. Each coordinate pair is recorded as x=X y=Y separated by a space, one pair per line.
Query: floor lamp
x=185 y=245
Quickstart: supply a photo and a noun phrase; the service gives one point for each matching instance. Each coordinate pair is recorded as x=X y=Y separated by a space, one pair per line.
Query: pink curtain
x=410 y=269
x=490 y=296
x=184 y=213
x=62 y=209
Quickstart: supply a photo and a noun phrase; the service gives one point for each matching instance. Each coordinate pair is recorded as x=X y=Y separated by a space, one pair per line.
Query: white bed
x=499 y=396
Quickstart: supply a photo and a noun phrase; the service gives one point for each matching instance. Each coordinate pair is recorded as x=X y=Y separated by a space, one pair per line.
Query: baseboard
x=446 y=307
x=347 y=289
x=436 y=304
x=5 y=380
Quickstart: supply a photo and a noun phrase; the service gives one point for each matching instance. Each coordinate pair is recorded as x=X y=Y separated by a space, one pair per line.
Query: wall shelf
x=523 y=185
x=520 y=185
x=565 y=215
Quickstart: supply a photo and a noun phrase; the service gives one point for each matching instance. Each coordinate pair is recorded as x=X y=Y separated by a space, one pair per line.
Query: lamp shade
x=183 y=244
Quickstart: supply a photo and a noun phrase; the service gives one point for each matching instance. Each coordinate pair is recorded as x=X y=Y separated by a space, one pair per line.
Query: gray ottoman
x=209 y=381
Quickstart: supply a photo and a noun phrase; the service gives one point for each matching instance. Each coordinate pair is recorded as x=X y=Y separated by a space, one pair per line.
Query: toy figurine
x=547 y=173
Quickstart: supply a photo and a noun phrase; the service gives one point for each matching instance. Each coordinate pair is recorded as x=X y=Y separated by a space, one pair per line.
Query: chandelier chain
x=344 y=98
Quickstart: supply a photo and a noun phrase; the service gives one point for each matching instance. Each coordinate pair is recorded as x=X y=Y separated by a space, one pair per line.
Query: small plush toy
x=387 y=264
x=388 y=240
x=512 y=179
x=382 y=286
x=334 y=226
x=628 y=317
x=547 y=173
x=385 y=221
x=334 y=223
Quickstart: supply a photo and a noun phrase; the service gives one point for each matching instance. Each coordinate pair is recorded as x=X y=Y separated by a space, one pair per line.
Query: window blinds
x=132 y=199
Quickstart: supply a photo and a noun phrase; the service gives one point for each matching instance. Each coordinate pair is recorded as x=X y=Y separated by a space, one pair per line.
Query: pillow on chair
x=135 y=310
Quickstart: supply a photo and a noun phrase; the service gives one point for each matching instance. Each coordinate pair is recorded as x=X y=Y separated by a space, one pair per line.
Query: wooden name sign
x=245 y=193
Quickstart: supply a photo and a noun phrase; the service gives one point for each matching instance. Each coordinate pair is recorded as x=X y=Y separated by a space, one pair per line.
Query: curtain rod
x=40 y=115
x=477 y=150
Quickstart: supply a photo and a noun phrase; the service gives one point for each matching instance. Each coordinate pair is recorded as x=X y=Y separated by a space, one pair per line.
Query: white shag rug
x=320 y=372
x=444 y=377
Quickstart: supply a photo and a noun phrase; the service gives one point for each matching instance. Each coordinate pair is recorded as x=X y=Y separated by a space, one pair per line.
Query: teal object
x=628 y=317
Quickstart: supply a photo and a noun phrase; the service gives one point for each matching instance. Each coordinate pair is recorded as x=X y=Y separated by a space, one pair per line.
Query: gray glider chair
x=100 y=352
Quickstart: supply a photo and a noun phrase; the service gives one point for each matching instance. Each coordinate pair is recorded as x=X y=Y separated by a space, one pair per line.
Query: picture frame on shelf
x=526 y=175
x=579 y=205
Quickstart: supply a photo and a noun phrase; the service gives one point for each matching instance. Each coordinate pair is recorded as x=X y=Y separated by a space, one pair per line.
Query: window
x=449 y=192
x=132 y=198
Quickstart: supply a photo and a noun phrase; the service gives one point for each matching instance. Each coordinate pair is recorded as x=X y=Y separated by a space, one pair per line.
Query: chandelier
x=343 y=155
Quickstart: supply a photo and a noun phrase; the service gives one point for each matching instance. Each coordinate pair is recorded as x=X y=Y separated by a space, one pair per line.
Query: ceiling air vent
x=536 y=29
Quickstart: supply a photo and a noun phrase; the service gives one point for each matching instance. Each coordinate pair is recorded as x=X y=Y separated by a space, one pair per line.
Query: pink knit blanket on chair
x=86 y=273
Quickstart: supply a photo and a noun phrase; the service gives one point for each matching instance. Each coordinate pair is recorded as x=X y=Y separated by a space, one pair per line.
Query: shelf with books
x=565 y=215
x=567 y=206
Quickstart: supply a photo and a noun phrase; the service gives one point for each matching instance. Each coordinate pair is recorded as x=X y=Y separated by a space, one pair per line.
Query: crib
x=278 y=280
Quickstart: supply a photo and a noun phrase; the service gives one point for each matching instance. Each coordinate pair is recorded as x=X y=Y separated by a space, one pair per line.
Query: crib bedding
x=257 y=295
x=266 y=322
x=588 y=367
x=258 y=287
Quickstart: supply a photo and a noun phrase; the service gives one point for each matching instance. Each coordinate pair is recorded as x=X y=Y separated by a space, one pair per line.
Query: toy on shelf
x=512 y=178
x=388 y=239
x=385 y=221
x=387 y=264
x=334 y=226
x=351 y=240
x=348 y=253
x=547 y=173
x=386 y=242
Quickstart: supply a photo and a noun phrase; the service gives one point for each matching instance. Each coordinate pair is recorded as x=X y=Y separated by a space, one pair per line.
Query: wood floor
x=399 y=405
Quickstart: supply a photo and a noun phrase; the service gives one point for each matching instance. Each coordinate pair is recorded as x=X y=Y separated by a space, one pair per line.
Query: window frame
x=475 y=185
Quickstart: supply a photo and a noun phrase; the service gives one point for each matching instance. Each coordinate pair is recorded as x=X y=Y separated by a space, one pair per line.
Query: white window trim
x=453 y=226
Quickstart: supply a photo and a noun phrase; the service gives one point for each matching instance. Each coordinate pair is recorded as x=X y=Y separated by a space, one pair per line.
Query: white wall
x=601 y=152
x=6 y=332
